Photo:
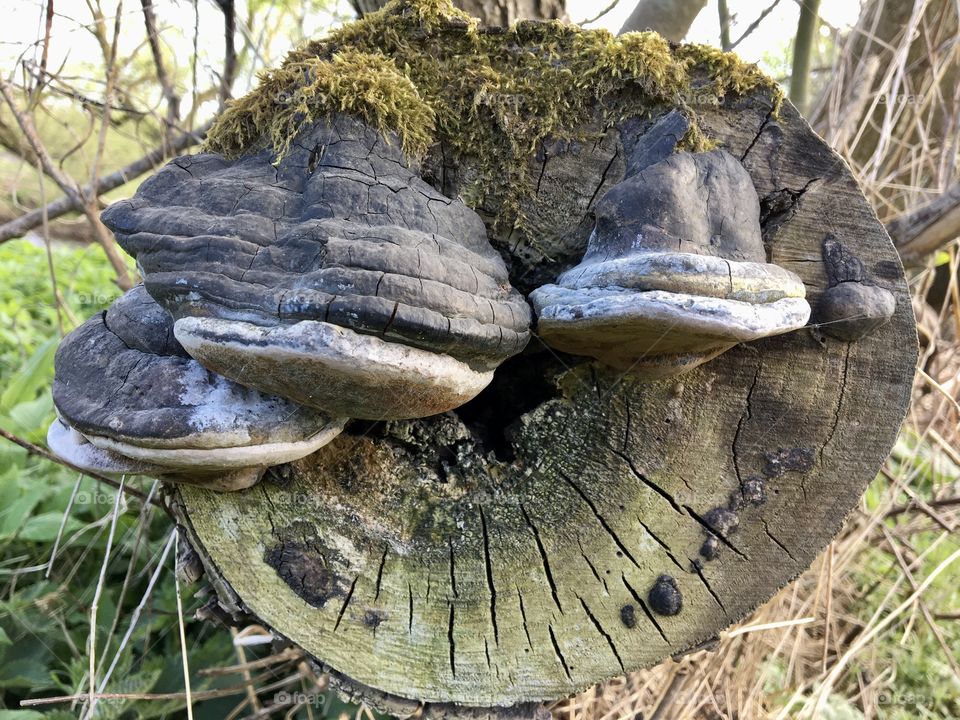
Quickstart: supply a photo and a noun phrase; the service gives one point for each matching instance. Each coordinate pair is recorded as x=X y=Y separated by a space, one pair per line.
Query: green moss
x=428 y=72
x=350 y=81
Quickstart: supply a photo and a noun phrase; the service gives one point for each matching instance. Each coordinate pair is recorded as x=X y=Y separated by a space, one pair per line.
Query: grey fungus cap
x=130 y=400
x=379 y=297
x=852 y=307
x=675 y=272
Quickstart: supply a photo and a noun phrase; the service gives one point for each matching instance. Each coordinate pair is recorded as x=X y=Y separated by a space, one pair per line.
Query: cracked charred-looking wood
x=506 y=551
x=335 y=277
x=131 y=401
x=675 y=271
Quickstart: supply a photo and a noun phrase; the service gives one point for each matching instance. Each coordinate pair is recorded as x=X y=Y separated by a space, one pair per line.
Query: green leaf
x=31 y=418
x=23 y=384
x=44 y=528
x=13 y=516
x=22 y=715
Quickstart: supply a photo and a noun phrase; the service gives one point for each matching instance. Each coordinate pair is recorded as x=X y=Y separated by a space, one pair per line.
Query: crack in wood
x=346 y=601
x=839 y=405
x=661 y=543
x=766 y=529
x=490 y=586
x=604 y=633
x=646 y=481
x=453 y=576
x=763 y=126
x=543 y=558
x=560 y=657
x=452 y=645
x=619 y=543
x=383 y=560
x=713 y=531
x=746 y=415
x=697 y=568
x=593 y=569
x=523 y=616
x=409 y=609
x=643 y=606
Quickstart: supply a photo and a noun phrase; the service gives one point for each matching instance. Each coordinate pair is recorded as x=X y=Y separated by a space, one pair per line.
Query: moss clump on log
x=429 y=73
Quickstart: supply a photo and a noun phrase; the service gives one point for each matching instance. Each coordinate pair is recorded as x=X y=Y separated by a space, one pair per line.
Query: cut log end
x=571 y=523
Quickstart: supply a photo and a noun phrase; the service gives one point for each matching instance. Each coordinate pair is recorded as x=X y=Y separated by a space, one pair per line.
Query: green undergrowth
x=429 y=73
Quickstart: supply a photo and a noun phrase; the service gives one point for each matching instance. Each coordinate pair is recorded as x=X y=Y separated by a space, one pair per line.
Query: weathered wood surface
x=504 y=552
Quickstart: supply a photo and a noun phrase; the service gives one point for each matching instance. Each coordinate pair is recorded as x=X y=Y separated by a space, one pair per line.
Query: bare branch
x=86 y=203
x=929 y=227
x=38 y=451
x=754 y=25
x=26 y=222
x=163 y=77
x=230 y=50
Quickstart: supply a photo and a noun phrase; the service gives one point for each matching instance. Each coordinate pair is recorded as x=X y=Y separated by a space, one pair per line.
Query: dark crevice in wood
x=543 y=166
x=777 y=208
x=486 y=652
x=713 y=531
x=839 y=405
x=763 y=126
x=452 y=644
x=747 y=414
x=518 y=387
x=453 y=575
x=600 y=519
x=523 y=616
x=543 y=558
x=766 y=529
x=643 y=606
x=716 y=598
x=383 y=560
x=556 y=647
x=661 y=543
x=603 y=179
x=606 y=635
x=346 y=601
x=649 y=483
x=489 y=568
x=409 y=608
x=593 y=569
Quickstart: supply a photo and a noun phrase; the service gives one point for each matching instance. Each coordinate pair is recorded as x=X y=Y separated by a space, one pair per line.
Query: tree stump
x=572 y=523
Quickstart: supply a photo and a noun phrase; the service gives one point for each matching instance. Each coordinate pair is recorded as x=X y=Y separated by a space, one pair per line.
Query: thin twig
x=26 y=222
x=183 y=635
x=101 y=581
x=40 y=452
x=88 y=204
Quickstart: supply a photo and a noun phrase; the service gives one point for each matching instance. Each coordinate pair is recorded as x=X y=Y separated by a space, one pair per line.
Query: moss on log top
x=430 y=74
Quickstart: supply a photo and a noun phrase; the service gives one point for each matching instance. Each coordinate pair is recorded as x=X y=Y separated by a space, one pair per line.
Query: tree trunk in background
x=670 y=18
x=491 y=12
x=802 y=50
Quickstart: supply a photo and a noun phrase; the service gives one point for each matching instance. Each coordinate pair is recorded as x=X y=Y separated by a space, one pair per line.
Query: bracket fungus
x=550 y=533
x=130 y=400
x=852 y=307
x=335 y=277
x=675 y=271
